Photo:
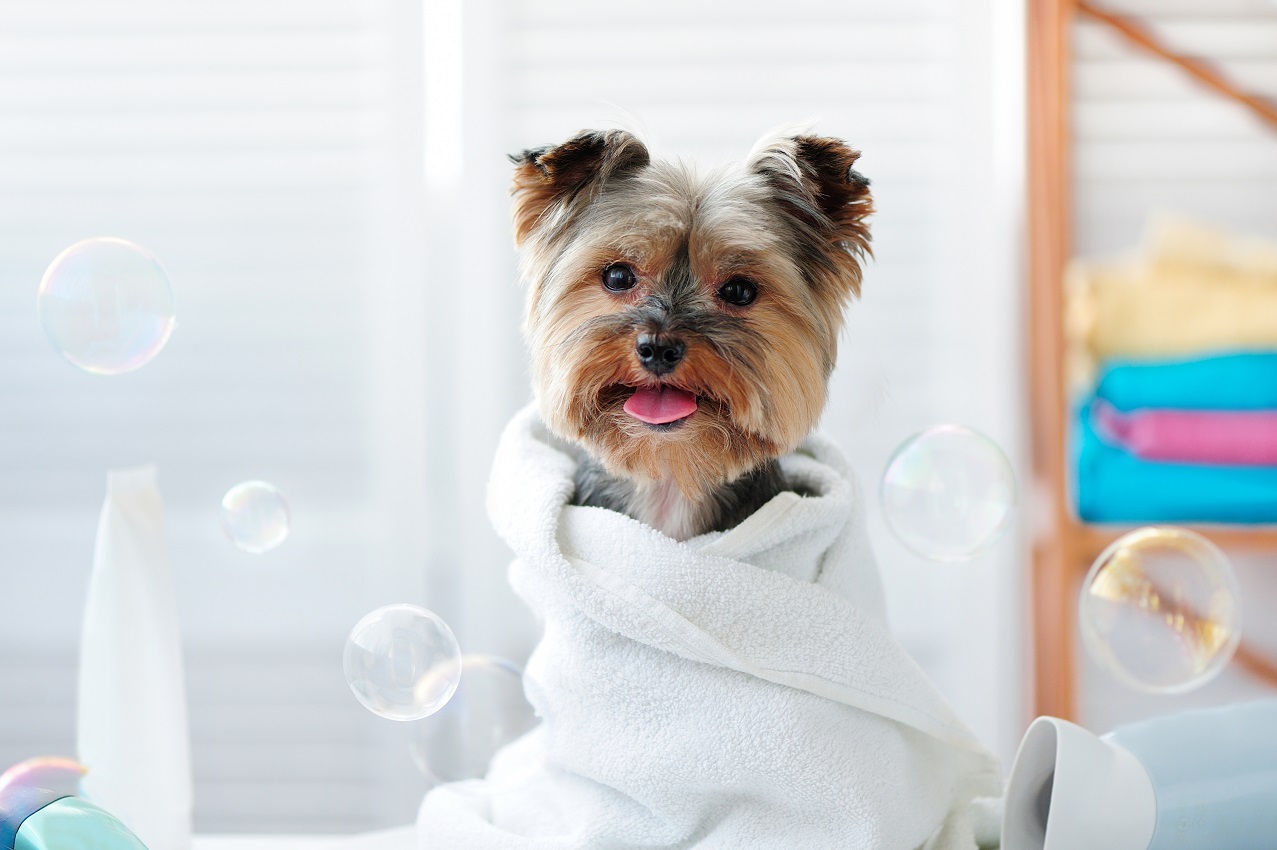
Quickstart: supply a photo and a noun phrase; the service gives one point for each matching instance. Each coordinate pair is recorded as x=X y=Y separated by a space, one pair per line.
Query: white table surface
x=399 y=838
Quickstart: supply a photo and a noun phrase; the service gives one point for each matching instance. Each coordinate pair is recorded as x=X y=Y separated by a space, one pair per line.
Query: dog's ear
x=549 y=182
x=815 y=182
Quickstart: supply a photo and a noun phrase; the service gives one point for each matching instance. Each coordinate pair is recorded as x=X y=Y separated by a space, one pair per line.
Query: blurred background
x=326 y=183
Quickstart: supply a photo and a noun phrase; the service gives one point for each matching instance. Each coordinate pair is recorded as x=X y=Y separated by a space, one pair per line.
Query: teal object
x=34 y=818
x=1199 y=780
x=1223 y=382
x=1112 y=485
x=74 y=824
x=1214 y=773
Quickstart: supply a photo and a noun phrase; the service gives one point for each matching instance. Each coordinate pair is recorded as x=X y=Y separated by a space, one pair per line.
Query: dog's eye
x=738 y=292
x=619 y=277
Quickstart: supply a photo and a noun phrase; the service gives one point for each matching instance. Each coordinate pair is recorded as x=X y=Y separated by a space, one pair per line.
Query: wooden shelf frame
x=1064 y=547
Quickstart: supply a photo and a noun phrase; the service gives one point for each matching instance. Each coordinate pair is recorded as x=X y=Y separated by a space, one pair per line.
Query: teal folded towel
x=1115 y=486
x=1222 y=382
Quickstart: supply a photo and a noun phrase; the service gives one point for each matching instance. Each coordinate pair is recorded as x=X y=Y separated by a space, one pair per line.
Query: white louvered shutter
x=930 y=91
x=268 y=154
x=1150 y=137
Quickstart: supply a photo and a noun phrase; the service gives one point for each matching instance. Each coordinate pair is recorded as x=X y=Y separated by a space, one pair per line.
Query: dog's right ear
x=551 y=182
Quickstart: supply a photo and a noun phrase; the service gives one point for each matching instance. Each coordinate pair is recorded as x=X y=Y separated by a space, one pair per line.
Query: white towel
x=738 y=690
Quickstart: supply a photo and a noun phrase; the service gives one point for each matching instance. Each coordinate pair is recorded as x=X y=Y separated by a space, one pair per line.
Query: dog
x=683 y=326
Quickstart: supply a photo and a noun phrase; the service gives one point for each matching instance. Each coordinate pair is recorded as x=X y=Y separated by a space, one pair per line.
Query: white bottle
x=132 y=723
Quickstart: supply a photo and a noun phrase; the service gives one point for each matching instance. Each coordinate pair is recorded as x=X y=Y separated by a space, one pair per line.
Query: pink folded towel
x=1225 y=437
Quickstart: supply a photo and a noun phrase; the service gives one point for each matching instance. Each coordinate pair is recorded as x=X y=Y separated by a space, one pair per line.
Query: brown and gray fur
x=790 y=221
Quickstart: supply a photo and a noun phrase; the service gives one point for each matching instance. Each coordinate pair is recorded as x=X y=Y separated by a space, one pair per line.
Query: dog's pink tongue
x=658 y=405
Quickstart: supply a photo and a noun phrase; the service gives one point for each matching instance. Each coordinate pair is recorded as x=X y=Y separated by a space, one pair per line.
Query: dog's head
x=685 y=325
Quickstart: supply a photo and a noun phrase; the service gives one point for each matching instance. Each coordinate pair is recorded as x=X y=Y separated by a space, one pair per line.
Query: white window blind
x=930 y=91
x=1149 y=137
x=268 y=154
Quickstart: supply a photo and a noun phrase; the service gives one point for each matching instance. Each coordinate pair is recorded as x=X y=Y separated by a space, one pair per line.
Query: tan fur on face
x=791 y=219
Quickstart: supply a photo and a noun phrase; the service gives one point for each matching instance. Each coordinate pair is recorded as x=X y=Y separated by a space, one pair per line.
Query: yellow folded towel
x=1192 y=290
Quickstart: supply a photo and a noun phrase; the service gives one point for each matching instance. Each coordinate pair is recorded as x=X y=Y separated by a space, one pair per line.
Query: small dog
x=683 y=327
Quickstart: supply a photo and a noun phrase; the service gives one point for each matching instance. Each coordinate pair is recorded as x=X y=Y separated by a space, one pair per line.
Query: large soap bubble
x=1161 y=610
x=402 y=662
x=488 y=711
x=106 y=305
x=948 y=493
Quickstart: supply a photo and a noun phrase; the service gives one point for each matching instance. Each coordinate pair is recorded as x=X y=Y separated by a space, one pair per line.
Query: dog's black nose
x=659 y=353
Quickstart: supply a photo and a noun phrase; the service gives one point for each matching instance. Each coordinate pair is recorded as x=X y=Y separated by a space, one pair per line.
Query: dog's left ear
x=551 y=182
x=815 y=182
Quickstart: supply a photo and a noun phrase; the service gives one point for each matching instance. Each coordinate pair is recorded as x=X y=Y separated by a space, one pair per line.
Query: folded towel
x=1223 y=382
x=1229 y=437
x=740 y=689
x=1191 y=288
x=1114 y=485
x=1139 y=310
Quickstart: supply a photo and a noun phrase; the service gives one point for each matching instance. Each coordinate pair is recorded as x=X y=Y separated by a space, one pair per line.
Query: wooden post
x=1050 y=236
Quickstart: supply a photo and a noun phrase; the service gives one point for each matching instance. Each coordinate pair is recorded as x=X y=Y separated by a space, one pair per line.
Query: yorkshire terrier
x=683 y=326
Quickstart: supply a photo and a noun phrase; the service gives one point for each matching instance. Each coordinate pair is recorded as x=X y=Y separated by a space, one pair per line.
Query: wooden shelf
x=1092 y=539
x=1064 y=547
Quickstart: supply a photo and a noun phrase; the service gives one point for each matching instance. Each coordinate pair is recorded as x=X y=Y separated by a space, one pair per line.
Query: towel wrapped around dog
x=738 y=690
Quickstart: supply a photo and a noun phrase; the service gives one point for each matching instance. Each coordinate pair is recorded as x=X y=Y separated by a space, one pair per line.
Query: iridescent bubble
x=1161 y=610
x=54 y=773
x=402 y=662
x=948 y=493
x=255 y=516
x=30 y=784
x=488 y=711
x=106 y=305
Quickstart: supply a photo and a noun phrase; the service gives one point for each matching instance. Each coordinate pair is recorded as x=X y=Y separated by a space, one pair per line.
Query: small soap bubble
x=1161 y=610
x=948 y=493
x=53 y=773
x=255 y=516
x=488 y=711
x=402 y=662
x=106 y=305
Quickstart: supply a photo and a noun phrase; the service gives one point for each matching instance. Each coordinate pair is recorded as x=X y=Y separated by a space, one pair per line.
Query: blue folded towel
x=1223 y=382
x=1115 y=486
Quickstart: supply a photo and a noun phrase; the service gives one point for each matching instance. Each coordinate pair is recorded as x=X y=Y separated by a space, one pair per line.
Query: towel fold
x=1220 y=382
x=1113 y=485
x=740 y=689
x=1231 y=437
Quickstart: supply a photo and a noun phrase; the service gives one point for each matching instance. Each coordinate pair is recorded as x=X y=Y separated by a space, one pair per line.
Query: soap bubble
x=53 y=773
x=947 y=493
x=487 y=712
x=1161 y=610
x=255 y=516
x=106 y=305
x=402 y=662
